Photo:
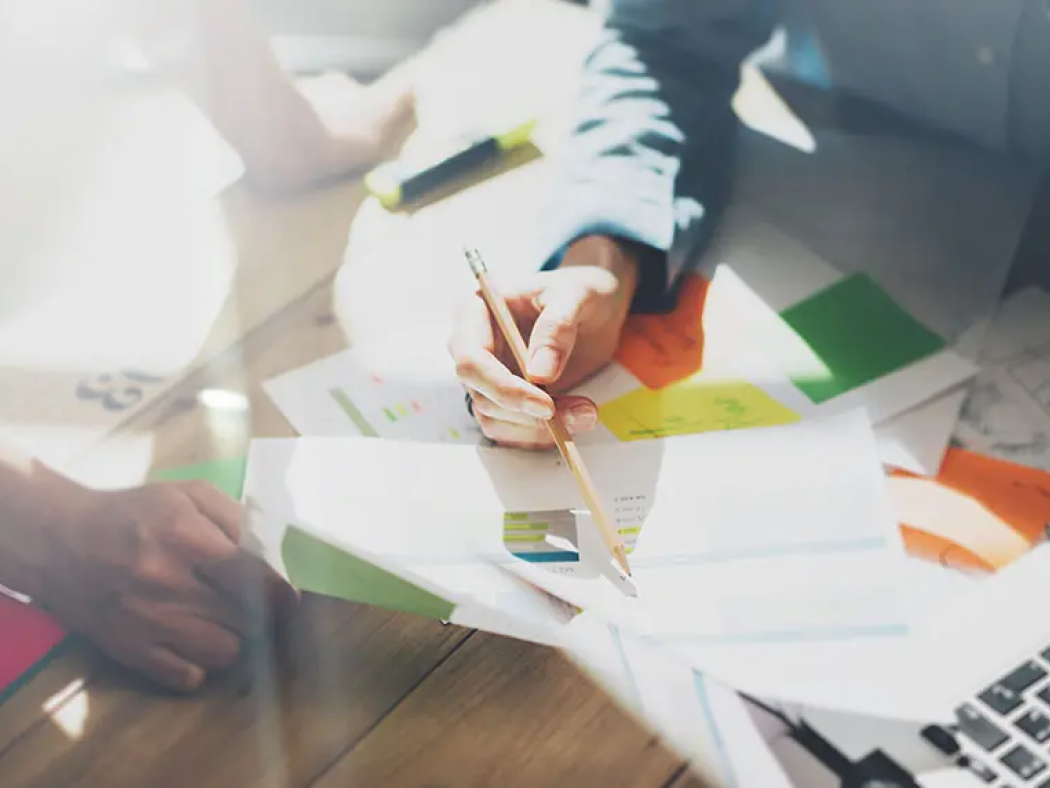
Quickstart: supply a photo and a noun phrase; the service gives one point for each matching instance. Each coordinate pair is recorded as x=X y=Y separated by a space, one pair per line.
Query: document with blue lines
x=705 y=722
x=769 y=558
x=749 y=548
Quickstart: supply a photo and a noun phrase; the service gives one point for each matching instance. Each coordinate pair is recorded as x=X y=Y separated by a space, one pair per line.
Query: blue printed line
x=711 y=557
x=705 y=706
x=786 y=636
x=614 y=632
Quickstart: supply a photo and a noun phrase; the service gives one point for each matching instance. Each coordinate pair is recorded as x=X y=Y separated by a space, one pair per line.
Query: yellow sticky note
x=692 y=406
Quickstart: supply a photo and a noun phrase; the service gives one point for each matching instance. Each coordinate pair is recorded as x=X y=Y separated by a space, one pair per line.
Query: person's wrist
x=609 y=253
x=36 y=535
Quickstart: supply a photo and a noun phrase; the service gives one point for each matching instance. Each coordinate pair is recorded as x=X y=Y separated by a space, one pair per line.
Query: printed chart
x=345 y=395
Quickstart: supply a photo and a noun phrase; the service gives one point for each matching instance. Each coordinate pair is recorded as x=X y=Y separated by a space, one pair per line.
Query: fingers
x=201 y=642
x=167 y=668
x=197 y=594
x=554 y=333
x=250 y=587
x=472 y=348
x=509 y=428
x=220 y=508
x=257 y=589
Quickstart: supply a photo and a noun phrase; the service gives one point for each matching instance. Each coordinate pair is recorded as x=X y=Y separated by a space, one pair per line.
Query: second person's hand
x=571 y=319
x=155 y=577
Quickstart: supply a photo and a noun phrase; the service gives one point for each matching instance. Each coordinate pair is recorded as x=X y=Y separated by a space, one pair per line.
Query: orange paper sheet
x=980 y=513
x=661 y=350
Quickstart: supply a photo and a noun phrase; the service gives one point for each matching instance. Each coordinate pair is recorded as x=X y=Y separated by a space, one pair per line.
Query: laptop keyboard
x=1002 y=734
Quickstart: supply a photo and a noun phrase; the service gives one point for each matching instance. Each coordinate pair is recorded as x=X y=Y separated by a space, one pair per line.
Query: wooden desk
x=352 y=695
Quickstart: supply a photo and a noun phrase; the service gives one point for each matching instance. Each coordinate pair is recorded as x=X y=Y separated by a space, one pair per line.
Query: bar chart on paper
x=417 y=415
x=546 y=537
x=343 y=395
x=551 y=538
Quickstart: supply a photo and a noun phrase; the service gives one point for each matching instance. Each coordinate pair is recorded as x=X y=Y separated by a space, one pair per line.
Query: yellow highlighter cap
x=517 y=136
x=384 y=186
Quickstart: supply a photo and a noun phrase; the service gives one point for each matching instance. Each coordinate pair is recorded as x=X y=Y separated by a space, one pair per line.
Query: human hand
x=361 y=126
x=571 y=319
x=155 y=577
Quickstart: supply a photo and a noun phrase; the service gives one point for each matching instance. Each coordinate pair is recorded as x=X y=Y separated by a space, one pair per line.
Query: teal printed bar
x=525 y=535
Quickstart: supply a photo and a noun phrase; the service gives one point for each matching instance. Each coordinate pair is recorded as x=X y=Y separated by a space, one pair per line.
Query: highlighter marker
x=393 y=186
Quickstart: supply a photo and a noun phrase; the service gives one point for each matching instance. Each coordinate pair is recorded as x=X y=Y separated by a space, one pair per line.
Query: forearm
x=225 y=64
x=650 y=156
x=33 y=499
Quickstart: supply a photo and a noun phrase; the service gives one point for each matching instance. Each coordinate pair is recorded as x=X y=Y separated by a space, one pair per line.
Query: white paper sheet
x=482 y=596
x=1007 y=413
x=767 y=569
x=743 y=546
x=917 y=440
x=397 y=390
x=703 y=721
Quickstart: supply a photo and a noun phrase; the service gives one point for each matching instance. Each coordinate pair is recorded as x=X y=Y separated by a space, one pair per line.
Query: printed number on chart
x=117 y=391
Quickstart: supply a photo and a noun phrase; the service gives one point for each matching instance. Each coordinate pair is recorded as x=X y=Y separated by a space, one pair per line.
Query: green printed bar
x=389 y=414
x=320 y=568
x=352 y=413
x=525 y=526
x=859 y=334
x=524 y=538
x=516 y=516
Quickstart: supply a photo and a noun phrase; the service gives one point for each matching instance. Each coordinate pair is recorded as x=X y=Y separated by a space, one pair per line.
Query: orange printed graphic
x=663 y=349
x=980 y=513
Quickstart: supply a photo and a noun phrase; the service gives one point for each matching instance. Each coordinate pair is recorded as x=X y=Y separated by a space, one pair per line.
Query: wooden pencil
x=570 y=452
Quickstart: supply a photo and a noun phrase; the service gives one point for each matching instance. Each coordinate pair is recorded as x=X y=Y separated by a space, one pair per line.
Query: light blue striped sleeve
x=649 y=157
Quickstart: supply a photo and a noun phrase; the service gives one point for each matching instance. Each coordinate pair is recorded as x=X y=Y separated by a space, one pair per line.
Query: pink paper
x=26 y=637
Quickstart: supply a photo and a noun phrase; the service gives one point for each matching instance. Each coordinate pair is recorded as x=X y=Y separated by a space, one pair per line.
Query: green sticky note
x=227 y=475
x=858 y=334
x=320 y=568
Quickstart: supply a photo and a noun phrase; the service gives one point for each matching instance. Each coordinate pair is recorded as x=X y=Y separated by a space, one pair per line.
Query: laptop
x=984 y=666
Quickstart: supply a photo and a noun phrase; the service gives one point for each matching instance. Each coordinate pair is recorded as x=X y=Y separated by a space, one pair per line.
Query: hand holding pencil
x=559 y=433
x=572 y=318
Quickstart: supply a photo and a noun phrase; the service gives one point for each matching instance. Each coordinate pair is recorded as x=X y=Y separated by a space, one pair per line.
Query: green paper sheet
x=859 y=334
x=320 y=568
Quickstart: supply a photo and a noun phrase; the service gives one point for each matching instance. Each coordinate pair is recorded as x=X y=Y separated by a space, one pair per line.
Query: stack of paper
x=743 y=556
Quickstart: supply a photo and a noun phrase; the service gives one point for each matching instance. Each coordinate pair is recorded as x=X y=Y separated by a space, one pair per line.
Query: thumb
x=554 y=335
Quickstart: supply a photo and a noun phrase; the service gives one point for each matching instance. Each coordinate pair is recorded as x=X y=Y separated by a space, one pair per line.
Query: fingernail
x=194 y=677
x=538 y=410
x=581 y=418
x=543 y=362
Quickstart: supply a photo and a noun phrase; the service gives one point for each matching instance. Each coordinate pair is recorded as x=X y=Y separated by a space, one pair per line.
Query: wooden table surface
x=213 y=290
